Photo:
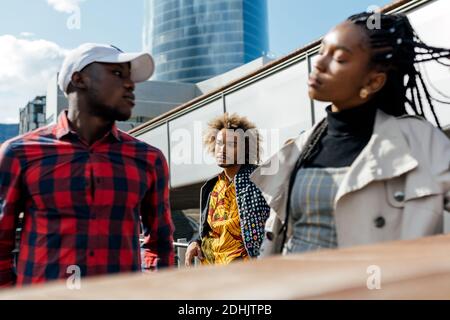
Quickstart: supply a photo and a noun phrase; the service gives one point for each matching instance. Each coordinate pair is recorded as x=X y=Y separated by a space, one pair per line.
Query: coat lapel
x=386 y=156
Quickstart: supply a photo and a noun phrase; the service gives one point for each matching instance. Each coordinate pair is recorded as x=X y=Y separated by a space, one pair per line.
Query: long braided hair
x=398 y=50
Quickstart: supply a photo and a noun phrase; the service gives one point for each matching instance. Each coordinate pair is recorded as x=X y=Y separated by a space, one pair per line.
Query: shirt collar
x=63 y=128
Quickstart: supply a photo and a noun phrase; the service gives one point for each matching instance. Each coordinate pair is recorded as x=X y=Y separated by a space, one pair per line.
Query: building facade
x=194 y=40
x=33 y=115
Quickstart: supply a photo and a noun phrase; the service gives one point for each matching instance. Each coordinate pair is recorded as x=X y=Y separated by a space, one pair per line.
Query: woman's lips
x=314 y=82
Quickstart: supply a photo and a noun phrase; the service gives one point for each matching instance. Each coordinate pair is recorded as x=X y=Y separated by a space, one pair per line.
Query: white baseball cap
x=142 y=64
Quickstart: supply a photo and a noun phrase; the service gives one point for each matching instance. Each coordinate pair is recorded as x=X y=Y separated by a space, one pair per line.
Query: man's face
x=226 y=149
x=109 y=90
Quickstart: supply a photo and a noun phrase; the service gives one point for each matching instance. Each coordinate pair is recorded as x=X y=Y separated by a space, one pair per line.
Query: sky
x=35 y=35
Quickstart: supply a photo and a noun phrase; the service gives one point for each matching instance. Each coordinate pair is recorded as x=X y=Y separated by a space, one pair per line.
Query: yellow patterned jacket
x=252 y=210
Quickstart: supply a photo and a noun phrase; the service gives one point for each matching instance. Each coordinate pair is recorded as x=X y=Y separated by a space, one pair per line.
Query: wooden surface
x=418 y=269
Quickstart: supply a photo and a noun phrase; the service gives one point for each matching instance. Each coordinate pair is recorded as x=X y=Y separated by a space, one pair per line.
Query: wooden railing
x=416 y=269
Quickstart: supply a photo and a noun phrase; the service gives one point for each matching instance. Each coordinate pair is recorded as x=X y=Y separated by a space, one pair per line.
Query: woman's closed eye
x=340 y=60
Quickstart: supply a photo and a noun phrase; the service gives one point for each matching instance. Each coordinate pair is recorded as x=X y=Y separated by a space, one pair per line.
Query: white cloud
x=68 y=6
x=26 y=67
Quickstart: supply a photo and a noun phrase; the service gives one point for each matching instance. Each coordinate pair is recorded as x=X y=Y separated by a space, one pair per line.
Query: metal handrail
x=180 y=245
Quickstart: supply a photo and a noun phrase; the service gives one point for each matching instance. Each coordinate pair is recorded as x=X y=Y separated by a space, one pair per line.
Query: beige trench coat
x=397 y=188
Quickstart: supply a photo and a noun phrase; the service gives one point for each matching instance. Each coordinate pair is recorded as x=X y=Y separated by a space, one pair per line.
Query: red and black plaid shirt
x=82 y=204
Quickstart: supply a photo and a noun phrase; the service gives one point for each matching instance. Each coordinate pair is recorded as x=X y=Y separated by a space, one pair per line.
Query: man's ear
x=376 y=81
x=78 y=81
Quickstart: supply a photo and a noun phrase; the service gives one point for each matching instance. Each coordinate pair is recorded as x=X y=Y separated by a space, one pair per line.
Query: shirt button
x=380 y=222
x=91 y=253
x=399 y=196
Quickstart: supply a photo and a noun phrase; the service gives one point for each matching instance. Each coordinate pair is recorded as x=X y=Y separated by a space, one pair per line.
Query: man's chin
x=122 y=115
x=110 y=113
x=224 y=165
x=123 y=118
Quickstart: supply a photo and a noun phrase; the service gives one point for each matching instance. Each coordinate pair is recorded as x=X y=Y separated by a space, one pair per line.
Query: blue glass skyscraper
x=194 y=40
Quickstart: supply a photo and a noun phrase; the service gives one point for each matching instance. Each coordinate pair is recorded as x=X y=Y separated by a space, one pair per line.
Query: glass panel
x=190 y=163
x=157 y=137
x=279 y=106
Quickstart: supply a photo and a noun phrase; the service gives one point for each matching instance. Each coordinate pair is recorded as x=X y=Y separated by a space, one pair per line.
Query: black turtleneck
x=348 y=132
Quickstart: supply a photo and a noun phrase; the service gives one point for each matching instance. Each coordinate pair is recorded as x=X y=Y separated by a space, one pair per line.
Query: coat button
x=380 y=222
x=399 y=196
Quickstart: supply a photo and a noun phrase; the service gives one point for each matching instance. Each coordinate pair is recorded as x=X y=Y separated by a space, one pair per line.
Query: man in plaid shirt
x=85 y=186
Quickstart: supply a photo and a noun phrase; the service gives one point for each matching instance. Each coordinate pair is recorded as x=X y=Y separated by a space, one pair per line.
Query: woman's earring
x=364 y=93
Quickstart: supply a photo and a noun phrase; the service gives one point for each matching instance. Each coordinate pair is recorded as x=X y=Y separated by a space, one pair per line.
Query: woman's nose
x=320 y=64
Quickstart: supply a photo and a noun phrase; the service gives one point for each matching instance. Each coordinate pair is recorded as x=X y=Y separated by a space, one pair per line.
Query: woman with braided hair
x=374 y=169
